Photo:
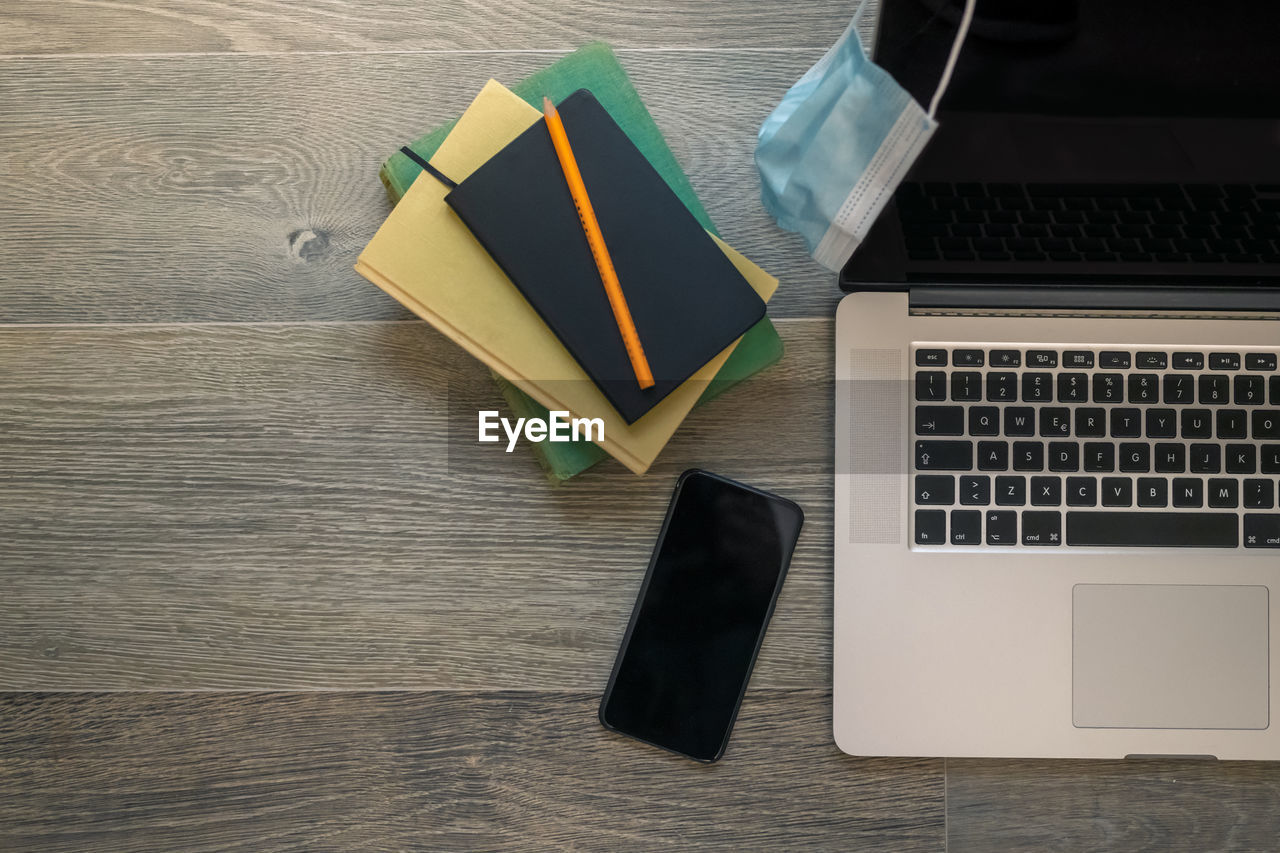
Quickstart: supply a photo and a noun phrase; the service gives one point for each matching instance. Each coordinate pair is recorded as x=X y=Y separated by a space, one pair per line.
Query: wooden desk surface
x=226 y=470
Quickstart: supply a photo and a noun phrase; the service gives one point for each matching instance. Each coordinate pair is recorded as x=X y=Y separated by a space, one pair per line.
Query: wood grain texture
x=1134 y=806
x=232 y=188
x=221 y=26
x=437 y=771
x=283 y=506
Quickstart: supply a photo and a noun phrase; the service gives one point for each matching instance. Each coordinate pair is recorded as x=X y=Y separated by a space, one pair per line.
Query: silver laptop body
x=1004 y=615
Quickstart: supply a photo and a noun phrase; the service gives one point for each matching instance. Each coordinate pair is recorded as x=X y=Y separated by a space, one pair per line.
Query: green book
x=595 y=67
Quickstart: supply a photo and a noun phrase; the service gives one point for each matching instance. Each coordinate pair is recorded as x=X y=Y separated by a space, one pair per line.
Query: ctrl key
x=931 y=527
x=1261 y=531
x=1042 y=528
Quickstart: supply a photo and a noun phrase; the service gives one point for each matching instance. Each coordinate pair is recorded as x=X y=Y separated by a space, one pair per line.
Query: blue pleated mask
x=834 y=150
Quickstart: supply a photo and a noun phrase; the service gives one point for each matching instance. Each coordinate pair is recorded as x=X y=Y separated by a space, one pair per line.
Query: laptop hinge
x=1093 y=299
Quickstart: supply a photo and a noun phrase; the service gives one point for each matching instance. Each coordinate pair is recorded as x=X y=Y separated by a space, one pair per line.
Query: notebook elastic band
x=428 y=168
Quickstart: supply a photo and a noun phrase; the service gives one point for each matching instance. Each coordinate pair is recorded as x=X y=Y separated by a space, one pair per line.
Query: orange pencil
x=595 y=239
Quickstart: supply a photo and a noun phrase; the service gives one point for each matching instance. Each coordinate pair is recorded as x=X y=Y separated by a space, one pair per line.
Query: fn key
x=931 y=527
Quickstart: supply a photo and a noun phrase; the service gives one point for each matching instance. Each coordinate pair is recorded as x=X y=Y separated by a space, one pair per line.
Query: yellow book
x=424 y=256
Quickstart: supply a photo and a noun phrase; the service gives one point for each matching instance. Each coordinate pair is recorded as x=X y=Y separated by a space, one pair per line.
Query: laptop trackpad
x=1170 y=657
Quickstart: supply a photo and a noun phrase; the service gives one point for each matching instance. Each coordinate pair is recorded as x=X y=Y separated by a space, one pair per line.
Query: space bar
x=1154 y=529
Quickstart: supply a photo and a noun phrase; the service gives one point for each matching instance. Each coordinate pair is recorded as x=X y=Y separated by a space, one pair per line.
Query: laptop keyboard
x=1087 y=446
x=1107 y=223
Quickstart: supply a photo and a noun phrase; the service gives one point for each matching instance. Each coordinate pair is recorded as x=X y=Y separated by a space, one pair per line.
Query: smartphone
x=698 y=622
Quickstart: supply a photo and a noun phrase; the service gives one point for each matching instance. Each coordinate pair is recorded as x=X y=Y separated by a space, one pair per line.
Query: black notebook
x=687 y=299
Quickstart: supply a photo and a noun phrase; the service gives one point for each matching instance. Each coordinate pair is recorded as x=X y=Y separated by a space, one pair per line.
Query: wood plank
x=436 y=771
x=281 y=506
x=220 y=26
x=242 y=188
x=1139 y=805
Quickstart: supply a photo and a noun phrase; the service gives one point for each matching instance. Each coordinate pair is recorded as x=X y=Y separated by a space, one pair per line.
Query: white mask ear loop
x=961 y=32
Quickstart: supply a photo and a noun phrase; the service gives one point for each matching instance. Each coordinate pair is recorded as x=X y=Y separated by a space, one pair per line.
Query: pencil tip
x=547 y=106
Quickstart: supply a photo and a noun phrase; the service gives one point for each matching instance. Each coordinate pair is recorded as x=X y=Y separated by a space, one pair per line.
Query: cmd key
x=1261 y=531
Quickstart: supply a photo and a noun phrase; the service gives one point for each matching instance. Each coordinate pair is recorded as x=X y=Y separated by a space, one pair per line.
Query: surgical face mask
x=833 y=152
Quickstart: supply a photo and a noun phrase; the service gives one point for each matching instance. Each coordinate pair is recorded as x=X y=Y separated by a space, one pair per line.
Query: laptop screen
x=1091 y=57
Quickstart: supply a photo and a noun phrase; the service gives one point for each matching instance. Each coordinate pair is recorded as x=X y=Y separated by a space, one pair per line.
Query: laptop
x=1057 y=417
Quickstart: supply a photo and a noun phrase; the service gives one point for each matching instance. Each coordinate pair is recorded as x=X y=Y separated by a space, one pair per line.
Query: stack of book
x=485 y=243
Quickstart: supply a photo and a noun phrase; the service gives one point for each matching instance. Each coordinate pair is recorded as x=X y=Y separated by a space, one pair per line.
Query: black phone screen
x=701 y=615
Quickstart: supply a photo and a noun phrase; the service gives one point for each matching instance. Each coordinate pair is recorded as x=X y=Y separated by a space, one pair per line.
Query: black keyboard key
x=966 y=527
x=984 y=420
x=1135 y=458
x=1006 y=357
x=1020 y=420
x=1152 y=361
x=1028 y=456
x=944 y=455
x=1188 y=361
x=1197 y=423
x=1064 y=456
x=1091 y=423
x=1270 y=458
x=1161 y=423
x=1224 y=361
x=1099 y=456
x=1041 y=528
x=1170 y=458
x=1078 y=359
x=1113 y=359
x=1206 y=459
x=1143 y=388
x=1231 y=423
x=1002 y=527
x=931 y=526
x=1108 y=388
x=937 y=489
x=1214 y=389
x=1179 y=388
x=1249 y=390
x=1153 y=491
x=968 y=358
x=931 y=358
x=1266 y=424
x=1258 y=494
x=1046 y=491
x=1117 y=491
x=1073 y=388
x=1224 y=493
x=1002 y=387
x=1037 y=387
x=939 y=420
x=1152 y=529
x=1055 y=422
x=993 y=456
x=1188 y=492
x=975 y=491
x=1273 y=392
x=1012 y=491
x=1242 y=458
x=966 y=385
x=1261 y=531
x=1260 y=361
x=1042 y=358
x=1126 y=423
x=1082 y=491
x=931 y=386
